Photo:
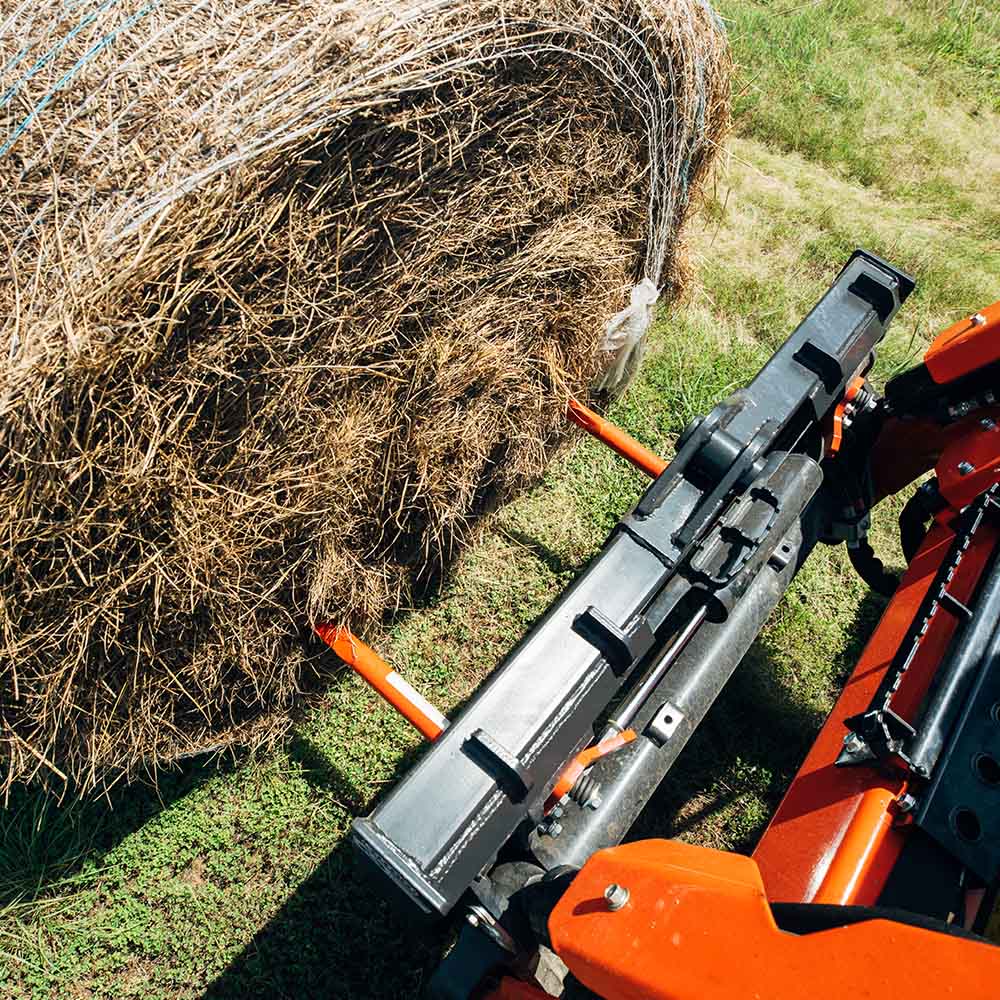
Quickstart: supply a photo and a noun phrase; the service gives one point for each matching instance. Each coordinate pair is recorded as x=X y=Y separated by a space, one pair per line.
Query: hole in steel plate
x=987 y=769
x=966 y=824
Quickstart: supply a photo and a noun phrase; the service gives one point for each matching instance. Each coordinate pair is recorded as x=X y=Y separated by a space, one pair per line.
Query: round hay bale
x=292 y=293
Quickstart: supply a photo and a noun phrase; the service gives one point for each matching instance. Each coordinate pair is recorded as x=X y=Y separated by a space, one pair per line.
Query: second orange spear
x=411 y=704
x=615 y=438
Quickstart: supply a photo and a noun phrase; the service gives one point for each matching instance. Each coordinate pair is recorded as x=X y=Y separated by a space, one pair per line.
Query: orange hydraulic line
x=615 y=438
x=412 y=705
x=564 y=784
x=859 y=848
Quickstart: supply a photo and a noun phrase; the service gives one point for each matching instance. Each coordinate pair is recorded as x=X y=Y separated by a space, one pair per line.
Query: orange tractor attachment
x=880 y=867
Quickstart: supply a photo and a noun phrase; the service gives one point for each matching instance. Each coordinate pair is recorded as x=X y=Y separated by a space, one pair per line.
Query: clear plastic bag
x=625 y=335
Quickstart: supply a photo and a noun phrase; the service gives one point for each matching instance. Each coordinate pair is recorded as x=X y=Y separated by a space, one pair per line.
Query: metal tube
x=630 y=775
x=624 y=716
x=858 y=848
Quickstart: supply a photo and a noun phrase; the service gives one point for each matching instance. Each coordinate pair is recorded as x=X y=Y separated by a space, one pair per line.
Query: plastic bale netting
x=290 y=295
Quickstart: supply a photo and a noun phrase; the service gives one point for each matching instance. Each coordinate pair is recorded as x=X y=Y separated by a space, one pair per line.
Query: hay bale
x=293 y=293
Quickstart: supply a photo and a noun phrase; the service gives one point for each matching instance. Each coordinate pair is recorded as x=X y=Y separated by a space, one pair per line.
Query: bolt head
x=853 y=743
x=964 y=468
x=987 y=423
x=978 y=320
x=616 y=896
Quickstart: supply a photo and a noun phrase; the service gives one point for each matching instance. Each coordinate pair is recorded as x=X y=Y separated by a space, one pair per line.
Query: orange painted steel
x=389 y=684
x=858 y=852
x=832 y=838
x=966 y=346
x=583 y=760
x=832 y=823
x=906 y=449
x=970 y=464
x=697 y=926
x=616 y=439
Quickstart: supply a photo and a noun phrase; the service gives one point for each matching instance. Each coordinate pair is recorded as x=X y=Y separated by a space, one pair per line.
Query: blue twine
x=54 y=51
x=104 y=42
x=70 y=5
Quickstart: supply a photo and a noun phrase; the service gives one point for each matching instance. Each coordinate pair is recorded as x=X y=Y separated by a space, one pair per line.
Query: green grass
x=859 y=88
x=857 y=123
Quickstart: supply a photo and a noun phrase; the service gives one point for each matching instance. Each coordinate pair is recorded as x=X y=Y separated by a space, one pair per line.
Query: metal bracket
x=876 y=294
x=503 y=766
x=478 y=916
x=961 y=808
x=951 y=603
x=876 y=733
x=719 y=557
x=664 y=724
x=620 y=646
x=821 y=363
x=879 y=732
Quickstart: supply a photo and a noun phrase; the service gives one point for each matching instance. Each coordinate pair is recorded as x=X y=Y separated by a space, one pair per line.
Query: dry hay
x=292 y=293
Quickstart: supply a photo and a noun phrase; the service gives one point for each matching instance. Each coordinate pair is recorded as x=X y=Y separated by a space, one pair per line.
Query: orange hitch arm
x=616 y=439
x=412 y=705
x=965 y=346
x=664 y=920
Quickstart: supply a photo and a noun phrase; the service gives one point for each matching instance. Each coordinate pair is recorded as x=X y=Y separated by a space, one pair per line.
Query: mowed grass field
x=856 y=124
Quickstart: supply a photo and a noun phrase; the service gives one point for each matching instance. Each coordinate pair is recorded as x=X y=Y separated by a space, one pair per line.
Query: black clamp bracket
x=621 y=646
x=720 y=556
x=506 y=768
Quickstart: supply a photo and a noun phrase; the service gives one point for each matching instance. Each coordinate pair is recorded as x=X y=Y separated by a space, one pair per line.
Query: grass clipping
x=292 y=292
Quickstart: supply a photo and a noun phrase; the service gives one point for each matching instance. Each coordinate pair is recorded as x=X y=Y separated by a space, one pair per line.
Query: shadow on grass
x=750 y=745
x=552 y=561
x=321 y=773
x=335 y=936
x=43 y=842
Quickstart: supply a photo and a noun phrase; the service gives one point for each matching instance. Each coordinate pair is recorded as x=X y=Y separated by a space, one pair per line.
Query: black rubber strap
x=869 y=567
x=808 y=918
